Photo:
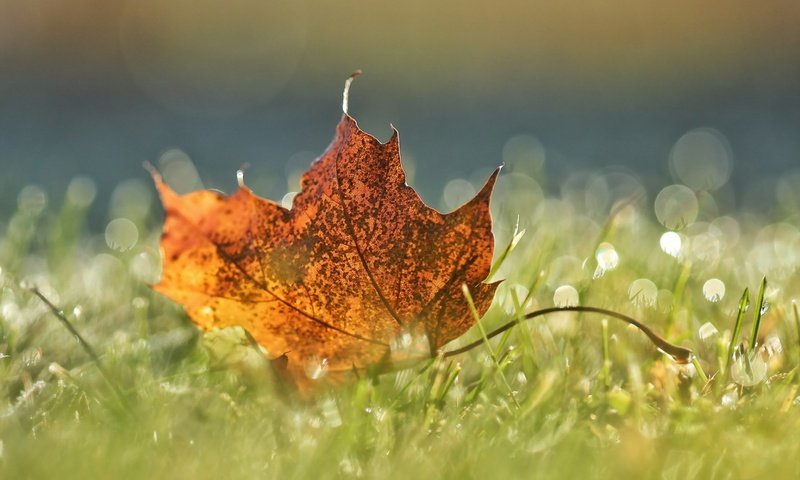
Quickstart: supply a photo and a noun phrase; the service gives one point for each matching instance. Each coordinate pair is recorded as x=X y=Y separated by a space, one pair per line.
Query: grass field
x=569 y=395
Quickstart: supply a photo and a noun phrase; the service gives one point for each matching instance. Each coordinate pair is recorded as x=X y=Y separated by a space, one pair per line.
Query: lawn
x=566 y=395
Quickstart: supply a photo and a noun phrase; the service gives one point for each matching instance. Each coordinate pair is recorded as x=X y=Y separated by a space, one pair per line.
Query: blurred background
x=706 y=94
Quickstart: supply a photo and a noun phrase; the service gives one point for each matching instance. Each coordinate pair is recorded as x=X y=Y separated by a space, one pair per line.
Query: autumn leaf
x=356 y=263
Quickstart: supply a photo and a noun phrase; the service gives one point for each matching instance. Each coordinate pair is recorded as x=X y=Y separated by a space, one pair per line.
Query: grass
x=568 y=395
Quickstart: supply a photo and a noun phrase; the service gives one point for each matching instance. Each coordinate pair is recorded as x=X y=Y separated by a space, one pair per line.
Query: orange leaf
x=358 y=260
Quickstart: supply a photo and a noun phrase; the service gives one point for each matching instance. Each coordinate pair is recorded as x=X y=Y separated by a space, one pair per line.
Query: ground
x=564 y=396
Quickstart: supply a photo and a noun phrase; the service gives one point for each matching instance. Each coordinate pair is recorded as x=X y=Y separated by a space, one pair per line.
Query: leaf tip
x=489 y=185
x=395 y=133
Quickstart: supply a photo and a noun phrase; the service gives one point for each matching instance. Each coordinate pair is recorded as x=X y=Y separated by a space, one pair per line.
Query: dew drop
x=566 y=296
x=707 y=330
x=607 y=259
x=643 y=292
x=121 y=234
x=773 y=345
x=316 y=368
x=676 y=206
x=749 y=369
x=671 y=243
x=714 y=290
x=729 y=399
x=764 y=309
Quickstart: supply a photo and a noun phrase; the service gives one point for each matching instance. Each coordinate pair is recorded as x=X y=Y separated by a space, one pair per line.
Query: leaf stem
x=680 y=354
x=346 y=93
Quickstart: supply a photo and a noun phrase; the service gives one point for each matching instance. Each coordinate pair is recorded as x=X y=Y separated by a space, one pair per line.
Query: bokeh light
x=121 y=234
x=643 y=292
x=701 y=159
x=524 y=154
x=676 y=206
x=566 y=296
x=714 y=290
x=671 y=243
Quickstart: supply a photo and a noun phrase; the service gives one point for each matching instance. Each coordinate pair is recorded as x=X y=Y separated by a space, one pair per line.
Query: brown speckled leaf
x=358 y=259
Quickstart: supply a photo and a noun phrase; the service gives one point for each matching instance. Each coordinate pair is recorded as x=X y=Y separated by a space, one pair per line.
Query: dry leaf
x=356 y=263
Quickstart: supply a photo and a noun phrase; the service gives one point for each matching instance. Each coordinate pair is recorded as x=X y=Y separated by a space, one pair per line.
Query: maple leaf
x=358 y=260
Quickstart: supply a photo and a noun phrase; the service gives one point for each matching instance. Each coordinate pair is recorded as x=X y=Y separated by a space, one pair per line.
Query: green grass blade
x=758 y=314
x=744 y=302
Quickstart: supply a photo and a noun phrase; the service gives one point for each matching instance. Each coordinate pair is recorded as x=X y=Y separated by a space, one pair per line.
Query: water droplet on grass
x=643 y=292
x=676 y=206
x=707 y=330
x=671 y=243
x=566 y=296
x=607 y=256
x=729 y=399
x=121 y=234
x=749 y=369
x=773 y=345
x=714 y=290
x=607 y=259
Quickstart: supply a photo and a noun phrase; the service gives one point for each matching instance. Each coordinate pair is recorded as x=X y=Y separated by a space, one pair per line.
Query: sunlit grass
x=567 y=395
